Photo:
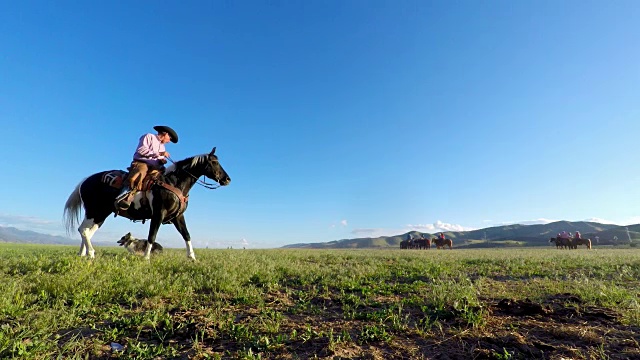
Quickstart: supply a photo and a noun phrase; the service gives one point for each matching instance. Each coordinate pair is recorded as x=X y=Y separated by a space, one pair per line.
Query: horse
x=581 y=241
x=441 y=243
x=164 y=202
x=423 y=243
x=558 y=242
x=562 y=243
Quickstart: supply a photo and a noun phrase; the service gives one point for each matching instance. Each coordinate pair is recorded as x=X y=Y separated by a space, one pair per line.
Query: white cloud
x=529 y=222
x=439 y=226
x=342 y=223
x=599 y=220
x=628 y=221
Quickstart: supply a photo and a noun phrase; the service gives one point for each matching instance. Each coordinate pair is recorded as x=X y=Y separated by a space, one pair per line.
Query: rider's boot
x=123 y=200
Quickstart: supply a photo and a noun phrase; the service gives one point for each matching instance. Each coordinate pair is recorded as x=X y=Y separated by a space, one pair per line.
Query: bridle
x=198 y=181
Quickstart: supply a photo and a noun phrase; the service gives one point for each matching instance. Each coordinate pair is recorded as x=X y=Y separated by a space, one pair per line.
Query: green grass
x=258 y=303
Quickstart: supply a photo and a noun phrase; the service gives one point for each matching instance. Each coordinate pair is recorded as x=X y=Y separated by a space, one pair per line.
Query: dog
x=138 y=246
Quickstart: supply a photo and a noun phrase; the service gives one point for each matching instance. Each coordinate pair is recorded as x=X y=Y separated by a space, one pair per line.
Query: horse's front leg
x=181 y=226
x=154 y=226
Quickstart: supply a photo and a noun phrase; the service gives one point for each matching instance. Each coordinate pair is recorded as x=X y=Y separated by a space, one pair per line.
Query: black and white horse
x=165 y=202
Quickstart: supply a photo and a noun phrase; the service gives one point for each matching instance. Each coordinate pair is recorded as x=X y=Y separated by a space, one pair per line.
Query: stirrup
x=124 y=200
x=123 y=195
x=123 y=205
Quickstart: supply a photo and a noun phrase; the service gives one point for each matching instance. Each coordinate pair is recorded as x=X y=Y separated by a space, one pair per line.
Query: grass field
x=334 y=304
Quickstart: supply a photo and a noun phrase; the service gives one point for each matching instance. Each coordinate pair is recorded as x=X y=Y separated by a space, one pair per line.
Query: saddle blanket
x=114 y=178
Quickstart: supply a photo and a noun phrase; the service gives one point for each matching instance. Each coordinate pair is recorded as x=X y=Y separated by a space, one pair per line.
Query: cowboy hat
x=168 y=130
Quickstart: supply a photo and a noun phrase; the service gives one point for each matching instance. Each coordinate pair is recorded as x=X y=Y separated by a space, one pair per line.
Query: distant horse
x=164 y=202
x=423 y=243
x=563 y=243
x=586 y=242
x=411 y=244
x=557 y=241
x=441 y=243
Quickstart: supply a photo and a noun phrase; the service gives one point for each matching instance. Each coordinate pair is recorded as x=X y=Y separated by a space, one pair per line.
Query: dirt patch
x=560 y=327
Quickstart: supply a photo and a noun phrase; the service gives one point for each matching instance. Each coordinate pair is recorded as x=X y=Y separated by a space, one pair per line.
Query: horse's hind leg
x=87 y=229
x=83 y=248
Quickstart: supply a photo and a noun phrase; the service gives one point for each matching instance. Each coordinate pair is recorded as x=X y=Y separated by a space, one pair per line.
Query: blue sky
x=334 y=119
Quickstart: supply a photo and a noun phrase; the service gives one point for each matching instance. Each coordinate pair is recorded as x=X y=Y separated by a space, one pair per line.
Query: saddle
x=118 y=178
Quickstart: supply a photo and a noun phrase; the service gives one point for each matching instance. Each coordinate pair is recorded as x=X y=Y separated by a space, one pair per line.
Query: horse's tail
x=72 y=209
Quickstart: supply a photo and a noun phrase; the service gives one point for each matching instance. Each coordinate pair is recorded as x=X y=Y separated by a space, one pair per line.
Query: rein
x=198 y=181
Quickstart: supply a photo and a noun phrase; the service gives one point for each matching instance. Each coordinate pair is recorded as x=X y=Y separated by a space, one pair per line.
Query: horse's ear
x=128 y=234
x=213 y=151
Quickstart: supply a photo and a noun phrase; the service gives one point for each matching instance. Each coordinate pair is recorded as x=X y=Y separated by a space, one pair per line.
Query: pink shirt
x=149 y=149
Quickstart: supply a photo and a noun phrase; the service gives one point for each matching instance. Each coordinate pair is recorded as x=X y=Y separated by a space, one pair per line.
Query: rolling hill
x=497 y=236
x=14 y=235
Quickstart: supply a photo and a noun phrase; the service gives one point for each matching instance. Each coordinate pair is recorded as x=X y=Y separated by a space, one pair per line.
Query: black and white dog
x=138 y=246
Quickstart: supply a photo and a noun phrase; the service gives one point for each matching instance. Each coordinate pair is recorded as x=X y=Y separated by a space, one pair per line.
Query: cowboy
x=441 y=236
x=149 y=158
x=578 y=236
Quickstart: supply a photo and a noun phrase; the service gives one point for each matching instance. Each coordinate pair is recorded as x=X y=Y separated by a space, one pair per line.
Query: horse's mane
x=186 y=164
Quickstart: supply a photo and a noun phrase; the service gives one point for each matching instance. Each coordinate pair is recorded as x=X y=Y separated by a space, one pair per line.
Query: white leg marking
x=147 y=252
x=190 y=254
x=83 y=249
x=87 y=229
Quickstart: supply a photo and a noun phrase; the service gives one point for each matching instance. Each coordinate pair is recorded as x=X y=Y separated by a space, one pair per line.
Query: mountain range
x=14 y=235
x=498 y=236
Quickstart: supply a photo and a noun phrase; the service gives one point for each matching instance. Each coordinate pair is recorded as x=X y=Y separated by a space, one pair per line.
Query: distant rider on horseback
x=149 y=158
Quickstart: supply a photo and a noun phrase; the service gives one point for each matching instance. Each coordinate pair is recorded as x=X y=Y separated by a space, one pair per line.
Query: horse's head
x=214 y=171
